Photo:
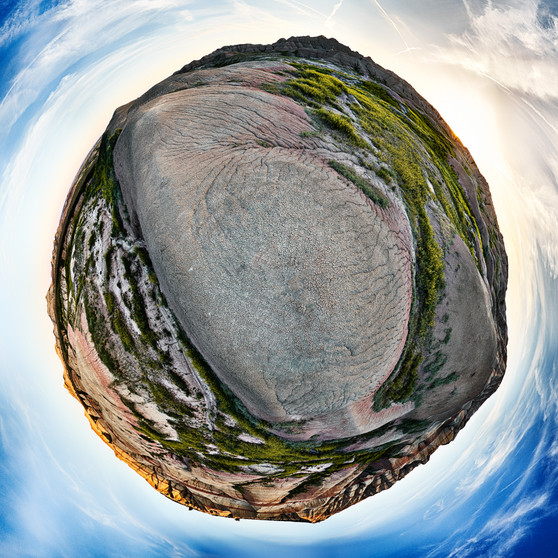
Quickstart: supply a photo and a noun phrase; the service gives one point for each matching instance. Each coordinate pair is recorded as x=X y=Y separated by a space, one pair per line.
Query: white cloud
x=486 y=465
x=510 y=517
x=509 y=45
x=393 y=21
x=301 y=8
x=24 y=17
x=71 y=31
x=512 y=523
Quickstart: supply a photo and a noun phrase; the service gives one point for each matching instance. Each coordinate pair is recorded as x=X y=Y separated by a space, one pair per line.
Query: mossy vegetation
x=379 y=92
x=118 y=323
x=411 y=426
x=314 y=85
x=104 y=180
x=341 y=124
x=373 y=193
x=402 y=383
x=434 y=364
x=442 y=381
x=101 y=337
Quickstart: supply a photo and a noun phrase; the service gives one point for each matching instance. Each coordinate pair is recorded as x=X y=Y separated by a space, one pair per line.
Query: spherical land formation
x=278 y=282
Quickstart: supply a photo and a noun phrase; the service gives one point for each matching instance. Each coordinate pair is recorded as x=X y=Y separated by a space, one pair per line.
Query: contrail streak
x=468 y=9
x=541 y=116
x=334 y=11
x=386 y=16
x=300 y=6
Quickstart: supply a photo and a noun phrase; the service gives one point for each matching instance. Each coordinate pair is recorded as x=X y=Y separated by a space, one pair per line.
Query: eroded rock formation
x=278 y=282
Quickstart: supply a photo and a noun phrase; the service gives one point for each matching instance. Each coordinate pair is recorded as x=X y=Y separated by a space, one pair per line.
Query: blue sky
x=490 y=68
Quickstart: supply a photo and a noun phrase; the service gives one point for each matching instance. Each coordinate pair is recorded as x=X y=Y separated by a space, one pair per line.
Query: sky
x=491 y=70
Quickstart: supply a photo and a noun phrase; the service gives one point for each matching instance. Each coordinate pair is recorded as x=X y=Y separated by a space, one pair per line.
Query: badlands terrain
x=278 y=282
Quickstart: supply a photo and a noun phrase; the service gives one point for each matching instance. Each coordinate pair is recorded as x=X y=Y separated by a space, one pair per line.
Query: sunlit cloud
x=500 y=34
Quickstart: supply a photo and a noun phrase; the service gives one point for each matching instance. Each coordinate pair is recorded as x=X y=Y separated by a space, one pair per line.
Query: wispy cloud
x=392 y=22
x=509 y=518
x=301 y=7
x=505 y=529
x=499 y=35
x=485 y=466
x=70 y=28
x=333 y=12
x=25 y=17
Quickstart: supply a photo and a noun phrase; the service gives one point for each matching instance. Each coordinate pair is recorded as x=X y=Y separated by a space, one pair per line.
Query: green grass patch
x=371 y=192
x=310 y=134
x=138 y=313
x=434 y=364
x=301 y=67
x=413 y=426
x=167 y=402
x=271 y=88
x=118 y=323
x=104 y=180
x=100 y=337
x=384 y=174
x=442 y=381
x=435 y=139
x=379 y=92
x=342 y=124
x=403 y=382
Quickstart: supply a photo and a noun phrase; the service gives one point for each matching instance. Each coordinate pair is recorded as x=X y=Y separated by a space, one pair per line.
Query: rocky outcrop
x=240 y=274
x=295 y=288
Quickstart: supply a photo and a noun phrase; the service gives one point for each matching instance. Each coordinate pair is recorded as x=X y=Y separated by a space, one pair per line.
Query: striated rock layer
x=278 y=282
